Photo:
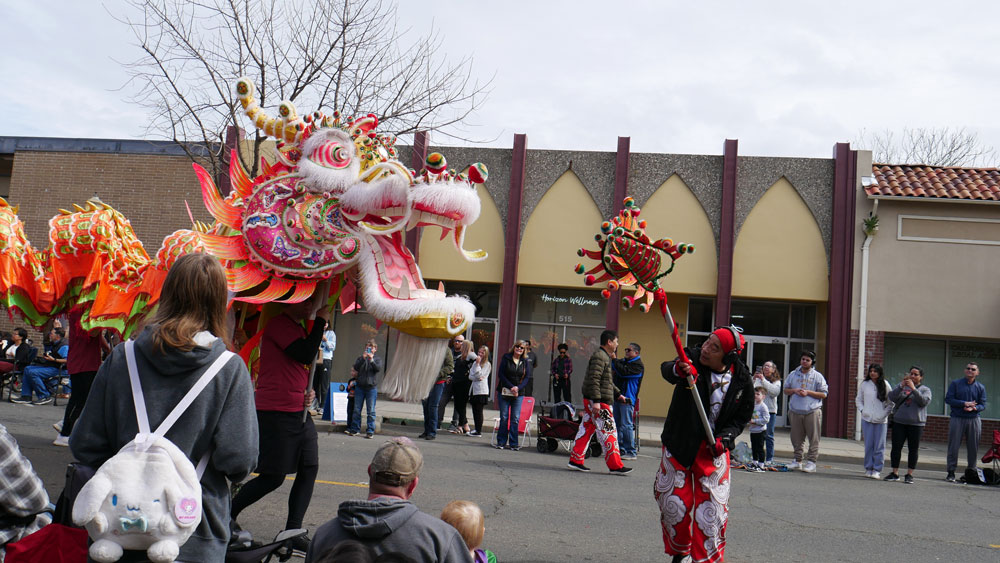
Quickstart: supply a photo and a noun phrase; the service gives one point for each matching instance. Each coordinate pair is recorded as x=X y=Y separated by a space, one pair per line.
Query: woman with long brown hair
x=184 y=338
x=513 y=375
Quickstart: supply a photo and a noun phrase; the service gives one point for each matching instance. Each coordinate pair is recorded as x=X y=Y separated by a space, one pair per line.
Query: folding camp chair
x=993 y=455
x=523 y=426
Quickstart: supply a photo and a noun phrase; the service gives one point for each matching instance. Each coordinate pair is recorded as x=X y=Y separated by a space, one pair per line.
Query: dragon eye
x=114 y=500
x=340 y=154
x=332 y=155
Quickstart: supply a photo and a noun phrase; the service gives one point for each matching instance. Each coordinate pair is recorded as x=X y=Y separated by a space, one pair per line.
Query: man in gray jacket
x=387 y=521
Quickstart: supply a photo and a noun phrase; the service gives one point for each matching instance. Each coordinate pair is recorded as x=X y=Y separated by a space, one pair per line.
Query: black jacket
x=682 y=431
x=367 y=370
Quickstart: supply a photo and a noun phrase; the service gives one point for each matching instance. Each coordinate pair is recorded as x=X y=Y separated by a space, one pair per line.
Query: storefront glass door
x=770 y=349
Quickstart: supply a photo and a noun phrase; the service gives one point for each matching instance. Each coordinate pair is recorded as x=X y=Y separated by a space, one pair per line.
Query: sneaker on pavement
x=514 y=448
x=794 y=465
x=474 y=433
x=42 y=400
x=369 y=435
x=430 y=437
x=950 y=477
x=61 y=441
x=57 y=425
x=422 y=435
x=876 y=475
x=577 y=466
x=350 y=433
x=891 y=477
x=809 y=467
x=908 y=479
x=22 y=400
x=620 y=471
x=498 y=446
x=629 y=457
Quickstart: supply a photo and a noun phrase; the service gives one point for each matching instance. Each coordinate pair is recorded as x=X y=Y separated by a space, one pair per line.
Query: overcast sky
x=787 y=78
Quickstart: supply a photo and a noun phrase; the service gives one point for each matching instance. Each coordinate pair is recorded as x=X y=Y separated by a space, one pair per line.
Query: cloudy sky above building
x=786 y=78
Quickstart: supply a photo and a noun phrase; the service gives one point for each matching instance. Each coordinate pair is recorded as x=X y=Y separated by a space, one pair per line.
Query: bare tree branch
x=930 y=146
x=349 y=56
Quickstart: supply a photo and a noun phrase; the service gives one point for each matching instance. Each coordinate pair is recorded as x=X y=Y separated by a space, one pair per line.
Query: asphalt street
x=538 y=510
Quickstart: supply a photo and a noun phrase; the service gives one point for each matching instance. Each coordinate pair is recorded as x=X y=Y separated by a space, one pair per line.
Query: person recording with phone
x=909 y=416
x=368 y=366
x=767 y=378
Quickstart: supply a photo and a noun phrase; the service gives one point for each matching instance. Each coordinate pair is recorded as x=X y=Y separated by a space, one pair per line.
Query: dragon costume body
x=334 y=205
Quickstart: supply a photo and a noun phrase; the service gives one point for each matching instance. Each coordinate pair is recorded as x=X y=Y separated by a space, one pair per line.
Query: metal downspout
x=863 y=317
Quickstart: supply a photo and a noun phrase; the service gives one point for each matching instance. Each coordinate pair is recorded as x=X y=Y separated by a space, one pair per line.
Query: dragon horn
x=288 y=127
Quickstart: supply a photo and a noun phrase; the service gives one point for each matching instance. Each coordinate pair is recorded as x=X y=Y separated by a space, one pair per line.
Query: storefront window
x=700 y=317
x=486 y=297
x=944 y=361
x=548 y=317
x=760 y=318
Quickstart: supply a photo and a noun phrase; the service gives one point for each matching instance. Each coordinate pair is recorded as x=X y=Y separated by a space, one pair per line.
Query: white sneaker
x=794 y=465
x=809 y=467
x=868 y=473
x=875 y=475
x=61 y=441
x=57 y=426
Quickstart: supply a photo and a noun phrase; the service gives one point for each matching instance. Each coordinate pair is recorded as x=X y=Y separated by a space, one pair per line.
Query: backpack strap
x=192 y=394
x=137 y=398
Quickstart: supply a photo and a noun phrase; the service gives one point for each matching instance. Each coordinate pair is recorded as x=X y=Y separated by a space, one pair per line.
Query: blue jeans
x=874 y=445
x=34 y=380
x=769 y=436
x=364 y=396
x=625 y=421
x=430 y=405
x=510 y=412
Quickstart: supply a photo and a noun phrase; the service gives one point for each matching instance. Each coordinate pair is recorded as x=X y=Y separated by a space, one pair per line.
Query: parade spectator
x=184 y=338
x=758 y=428
x=446 y=391
x=321 y=381
x=368 y=366
x=532 y=358
x=479 y=374
x=513 y=375
x=873 y=403
x=910 y=398
x=17 y=354
x=387 y=521
x=461 y=386
x=627 y=379
x=967 y=399
x=692 y=483
x=44 y=368
x=430 y=404
x=769 y=379
x=23 y=500
x=352 y=387
x=806 y=388
x=561 y=369
x=598 y=396
x=288 y=440
x=82 y=363
x=466 y=517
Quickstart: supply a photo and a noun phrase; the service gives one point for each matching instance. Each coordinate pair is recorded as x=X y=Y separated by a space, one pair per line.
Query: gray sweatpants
x=972 y=429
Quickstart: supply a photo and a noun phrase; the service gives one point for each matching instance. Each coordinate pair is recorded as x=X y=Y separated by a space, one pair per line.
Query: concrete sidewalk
x=932 y=455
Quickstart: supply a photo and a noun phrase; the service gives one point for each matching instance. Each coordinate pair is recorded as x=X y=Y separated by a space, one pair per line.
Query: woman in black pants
x=461 y=385
x=910 y=398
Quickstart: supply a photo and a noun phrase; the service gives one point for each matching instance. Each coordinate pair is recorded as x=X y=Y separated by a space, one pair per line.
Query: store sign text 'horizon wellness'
x=570 y=312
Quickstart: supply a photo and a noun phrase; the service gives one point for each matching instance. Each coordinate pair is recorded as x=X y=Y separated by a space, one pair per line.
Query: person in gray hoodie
x=180 y=343
x=910 y=399
x=387 y=521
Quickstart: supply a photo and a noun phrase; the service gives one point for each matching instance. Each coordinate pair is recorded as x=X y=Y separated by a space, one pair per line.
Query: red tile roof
x=935 y=182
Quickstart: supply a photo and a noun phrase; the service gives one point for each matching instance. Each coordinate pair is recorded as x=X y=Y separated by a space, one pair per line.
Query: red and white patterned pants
x=607 y=435
x=694 y=505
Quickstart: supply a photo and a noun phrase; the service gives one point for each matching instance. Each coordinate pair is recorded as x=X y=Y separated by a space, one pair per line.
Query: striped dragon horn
x=288 y=126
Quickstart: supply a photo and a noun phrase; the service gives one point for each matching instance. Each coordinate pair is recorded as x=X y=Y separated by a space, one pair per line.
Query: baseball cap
x=397 y=462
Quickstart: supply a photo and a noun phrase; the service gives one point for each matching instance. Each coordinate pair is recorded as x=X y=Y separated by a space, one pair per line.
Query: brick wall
x=150 y=190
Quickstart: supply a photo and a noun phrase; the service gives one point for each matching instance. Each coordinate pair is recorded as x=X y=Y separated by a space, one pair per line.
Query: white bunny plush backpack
x=148 y=495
